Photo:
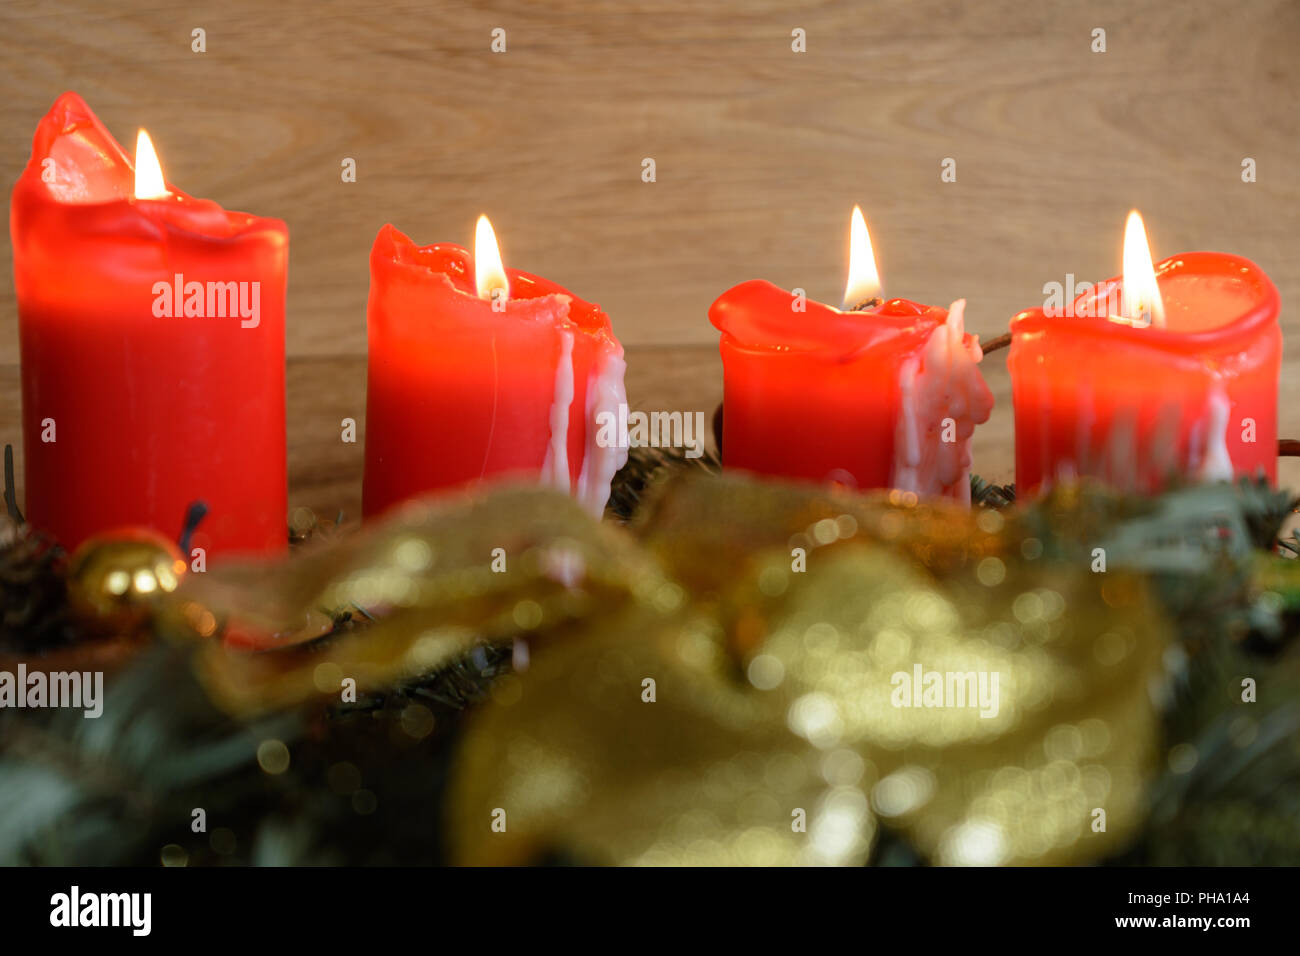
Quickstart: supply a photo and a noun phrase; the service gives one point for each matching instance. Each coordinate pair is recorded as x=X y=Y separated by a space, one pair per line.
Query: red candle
x=481 y=374
x=884 y=396
x=1171 y=370
x=152 y=342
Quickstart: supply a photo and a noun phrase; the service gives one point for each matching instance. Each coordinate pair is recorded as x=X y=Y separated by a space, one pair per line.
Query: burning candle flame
x=864 y=280
x=489 y=270
x=149 y=182
x=1140 y=293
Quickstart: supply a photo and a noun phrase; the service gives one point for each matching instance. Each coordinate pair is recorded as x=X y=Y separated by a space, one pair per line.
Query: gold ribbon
x=734 y=680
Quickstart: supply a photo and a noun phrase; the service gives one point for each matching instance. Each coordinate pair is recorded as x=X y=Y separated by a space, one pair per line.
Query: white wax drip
x=555 y=468
x=1116 y=454
x=605 y=394
x=1217 y=463
x=601 y=461
x=941 y=382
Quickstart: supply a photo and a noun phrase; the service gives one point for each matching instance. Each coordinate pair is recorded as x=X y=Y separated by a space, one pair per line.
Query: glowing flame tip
x=489 y=270
x=864 y=279
x=1140 y=292
x=149 y=182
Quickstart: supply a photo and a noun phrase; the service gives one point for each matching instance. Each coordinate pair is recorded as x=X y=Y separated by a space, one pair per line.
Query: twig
x=993 y=344
x=11 y=490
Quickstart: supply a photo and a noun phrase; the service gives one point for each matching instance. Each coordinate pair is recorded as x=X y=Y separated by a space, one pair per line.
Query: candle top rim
x=102 y=200
x=449 y=265
x=1264 y=306
x=757 y=315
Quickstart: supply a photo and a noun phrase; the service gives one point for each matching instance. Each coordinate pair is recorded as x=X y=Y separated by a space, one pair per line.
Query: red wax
x=149 y=413
x=859 y=398
x=458 y=392
x=1135 y=405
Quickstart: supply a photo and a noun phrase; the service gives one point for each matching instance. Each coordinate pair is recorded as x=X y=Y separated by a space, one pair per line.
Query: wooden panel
x=761 y=152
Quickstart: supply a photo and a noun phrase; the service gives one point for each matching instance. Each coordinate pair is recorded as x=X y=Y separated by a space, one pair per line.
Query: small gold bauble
x=116 y=579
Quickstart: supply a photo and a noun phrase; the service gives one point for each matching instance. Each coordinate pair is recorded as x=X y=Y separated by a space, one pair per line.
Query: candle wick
x=869 y=303
x=194 y=514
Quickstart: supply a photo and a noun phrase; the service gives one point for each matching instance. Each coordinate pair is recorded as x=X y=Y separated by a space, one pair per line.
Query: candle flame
x=149 y=183
x=489 y=270
x=864 y=279
x=1140 y=293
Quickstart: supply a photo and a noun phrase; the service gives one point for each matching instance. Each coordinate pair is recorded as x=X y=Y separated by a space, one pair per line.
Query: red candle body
x=148 y=412
x=882 y=398
x=1133 y=406
x=458 y=392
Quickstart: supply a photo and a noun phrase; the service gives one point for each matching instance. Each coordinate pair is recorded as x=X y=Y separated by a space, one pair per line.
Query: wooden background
x=761 y=153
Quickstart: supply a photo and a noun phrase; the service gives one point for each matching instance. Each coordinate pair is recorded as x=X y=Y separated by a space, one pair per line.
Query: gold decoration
x=720 y=684
x=118 y=579
x=428 y=579
x=773 y=736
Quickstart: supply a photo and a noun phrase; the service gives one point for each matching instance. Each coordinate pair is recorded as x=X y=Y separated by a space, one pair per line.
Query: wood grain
x=760 y=154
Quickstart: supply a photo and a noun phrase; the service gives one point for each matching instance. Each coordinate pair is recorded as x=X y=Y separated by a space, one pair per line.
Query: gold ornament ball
x=117 y=578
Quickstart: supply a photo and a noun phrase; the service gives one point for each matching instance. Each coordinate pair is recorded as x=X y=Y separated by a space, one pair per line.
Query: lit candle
x=480 y=372
x=1170 y=370
x=879 y=394
x=151 y=327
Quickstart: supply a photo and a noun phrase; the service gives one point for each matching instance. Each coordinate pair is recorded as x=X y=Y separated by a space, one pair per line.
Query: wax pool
x=1134 y=405
x=137 y=401
x=459 y=393
x=883 y=398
